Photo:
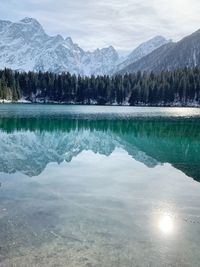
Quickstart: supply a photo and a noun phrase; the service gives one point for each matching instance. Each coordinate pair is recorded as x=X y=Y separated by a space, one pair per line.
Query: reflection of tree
x=159 y=127
x=165 y=140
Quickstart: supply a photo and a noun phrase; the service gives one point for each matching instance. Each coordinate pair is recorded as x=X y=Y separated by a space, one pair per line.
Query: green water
x=99 y=186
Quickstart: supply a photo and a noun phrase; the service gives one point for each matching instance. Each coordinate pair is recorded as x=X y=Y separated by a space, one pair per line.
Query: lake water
x=89 y=186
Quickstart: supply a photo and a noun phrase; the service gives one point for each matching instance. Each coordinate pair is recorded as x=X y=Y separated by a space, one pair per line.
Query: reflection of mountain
x=28 y=145
x=30 y=152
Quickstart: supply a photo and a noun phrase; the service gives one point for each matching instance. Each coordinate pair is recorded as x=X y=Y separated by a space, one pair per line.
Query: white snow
x=194 y=58
x=25 y=46
x=22 y=101
x=141 y=51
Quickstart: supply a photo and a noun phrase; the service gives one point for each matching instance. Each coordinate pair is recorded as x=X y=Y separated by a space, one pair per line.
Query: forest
x=180 y=87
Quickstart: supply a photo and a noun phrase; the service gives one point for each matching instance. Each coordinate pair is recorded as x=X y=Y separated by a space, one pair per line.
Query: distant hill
x=171 y=56
x=141 y=51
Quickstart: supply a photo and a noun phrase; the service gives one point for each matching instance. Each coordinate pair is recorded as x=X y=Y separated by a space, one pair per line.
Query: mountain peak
x=142 y=50
x=157 y=40
x=28 y=20
x=4 y=24
x=111 y=49
x=172 y=56
x=69 y=41
x=29 y=26
x=59 y=37
x=158 y=37
x=32 y=23
x=30 y=48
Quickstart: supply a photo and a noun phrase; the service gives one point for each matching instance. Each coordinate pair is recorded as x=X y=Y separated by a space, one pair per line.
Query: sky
x=123 y=24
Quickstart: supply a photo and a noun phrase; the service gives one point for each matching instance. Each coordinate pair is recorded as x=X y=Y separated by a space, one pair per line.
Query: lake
x=95 y=186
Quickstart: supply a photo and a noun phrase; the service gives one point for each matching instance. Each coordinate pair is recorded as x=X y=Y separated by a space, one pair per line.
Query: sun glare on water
x=166 y=224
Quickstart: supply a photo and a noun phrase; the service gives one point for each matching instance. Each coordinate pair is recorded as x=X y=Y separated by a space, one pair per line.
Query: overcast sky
x=99 y=23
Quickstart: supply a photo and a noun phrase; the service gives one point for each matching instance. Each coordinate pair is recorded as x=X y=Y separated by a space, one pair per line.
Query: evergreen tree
x=165 y=88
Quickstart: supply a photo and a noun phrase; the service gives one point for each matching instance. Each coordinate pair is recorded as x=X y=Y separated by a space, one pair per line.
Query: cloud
x=123 y=24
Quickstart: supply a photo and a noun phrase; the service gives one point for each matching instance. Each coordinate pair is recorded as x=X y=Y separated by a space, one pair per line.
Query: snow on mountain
x=141 y=51
x=182 y=54
x=24 y=45
x=103 y=60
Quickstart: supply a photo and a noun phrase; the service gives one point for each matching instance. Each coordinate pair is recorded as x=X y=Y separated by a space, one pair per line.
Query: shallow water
x=99 y=186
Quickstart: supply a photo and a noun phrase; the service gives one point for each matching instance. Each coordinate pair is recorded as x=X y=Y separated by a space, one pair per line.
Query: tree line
x=181 y=86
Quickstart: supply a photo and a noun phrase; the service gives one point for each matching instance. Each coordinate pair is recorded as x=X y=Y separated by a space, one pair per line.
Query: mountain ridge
x=141 y=51
x=37 y=51
x=25 y=46
x=169 y=57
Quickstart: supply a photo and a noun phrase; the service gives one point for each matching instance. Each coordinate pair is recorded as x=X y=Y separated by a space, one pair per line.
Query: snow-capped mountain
x=141 y=51
x=24 y=45
x=171 y=56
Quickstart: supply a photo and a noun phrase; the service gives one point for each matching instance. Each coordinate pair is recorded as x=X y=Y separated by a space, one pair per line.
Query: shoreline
x=173 y=105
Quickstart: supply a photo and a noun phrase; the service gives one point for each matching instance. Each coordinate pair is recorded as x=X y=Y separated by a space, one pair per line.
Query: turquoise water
x=99 y=186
